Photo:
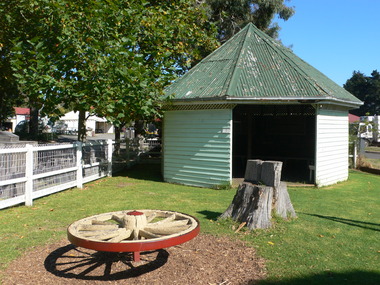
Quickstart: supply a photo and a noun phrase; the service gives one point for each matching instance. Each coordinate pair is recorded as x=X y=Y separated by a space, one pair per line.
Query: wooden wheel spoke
x=101 y=235
x=89 y=234
x=97 y=222
x=174 y=223
x=167 y=230
x=169 y=227
x=166 y=220
x=151 y=217
x=117 y=219
x=97 y=227
x=124 y=234
x=147 y=234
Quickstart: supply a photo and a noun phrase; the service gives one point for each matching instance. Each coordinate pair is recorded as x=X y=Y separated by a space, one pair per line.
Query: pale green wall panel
x=197 y=147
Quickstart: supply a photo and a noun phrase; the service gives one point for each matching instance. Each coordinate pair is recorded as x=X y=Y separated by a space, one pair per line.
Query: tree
x=20 y=21
x=367 y=89
x=231 y=16
x=9 y=95
x=9 y=92
x=112 y=58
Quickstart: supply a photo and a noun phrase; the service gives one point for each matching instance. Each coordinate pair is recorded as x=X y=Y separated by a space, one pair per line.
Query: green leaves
x=113 y=57
x=367 y=89
x=231 y=16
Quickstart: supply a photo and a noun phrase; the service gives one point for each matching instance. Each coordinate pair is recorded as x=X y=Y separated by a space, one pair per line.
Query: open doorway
x=275 y=132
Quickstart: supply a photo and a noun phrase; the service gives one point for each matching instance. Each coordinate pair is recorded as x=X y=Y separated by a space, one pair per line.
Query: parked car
x=23 y=127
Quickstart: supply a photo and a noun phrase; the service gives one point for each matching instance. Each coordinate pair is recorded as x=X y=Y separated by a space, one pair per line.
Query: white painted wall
x=17 y=119
x=331 y=146
x=71 y=119
x=197 y=147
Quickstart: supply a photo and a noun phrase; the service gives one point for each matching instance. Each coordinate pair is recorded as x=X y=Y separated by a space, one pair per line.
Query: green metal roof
x=251 y=67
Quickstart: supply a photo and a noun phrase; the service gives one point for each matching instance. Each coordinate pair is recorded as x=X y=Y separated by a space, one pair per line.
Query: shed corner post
x=318 y=108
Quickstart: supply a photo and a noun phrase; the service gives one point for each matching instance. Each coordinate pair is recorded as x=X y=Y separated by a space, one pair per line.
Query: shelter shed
x=252 y=98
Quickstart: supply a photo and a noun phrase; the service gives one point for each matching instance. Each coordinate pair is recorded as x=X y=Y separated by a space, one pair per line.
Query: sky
x=337 y=37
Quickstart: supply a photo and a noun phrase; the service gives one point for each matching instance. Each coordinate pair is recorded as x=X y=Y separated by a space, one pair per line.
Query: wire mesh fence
x=54 y=180
x=93 y=153
x=56 y=159
x=37 y=170
x=12 y=190
x=12 y=165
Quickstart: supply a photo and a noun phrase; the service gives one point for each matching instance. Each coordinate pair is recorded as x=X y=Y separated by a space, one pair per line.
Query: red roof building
x=353 y=118
x=22 y=111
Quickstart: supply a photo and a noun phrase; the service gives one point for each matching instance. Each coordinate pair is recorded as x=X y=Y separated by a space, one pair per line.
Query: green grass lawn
x=375 y=163
x=334 y=240
x=373 y=148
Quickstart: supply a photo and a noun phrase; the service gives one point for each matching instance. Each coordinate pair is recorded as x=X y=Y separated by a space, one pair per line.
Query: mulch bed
x=204 y=260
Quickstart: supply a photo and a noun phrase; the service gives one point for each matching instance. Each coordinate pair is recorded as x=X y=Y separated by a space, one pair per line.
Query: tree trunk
x=139 y=127
x=117 y=140
x=33 y=123
x=260 y=193
x=117 y=133
x=82 y=126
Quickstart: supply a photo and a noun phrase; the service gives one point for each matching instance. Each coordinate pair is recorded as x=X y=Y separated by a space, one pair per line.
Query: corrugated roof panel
x=251 y=65
x=266 y=73
x=210 y=77
x=206 y=81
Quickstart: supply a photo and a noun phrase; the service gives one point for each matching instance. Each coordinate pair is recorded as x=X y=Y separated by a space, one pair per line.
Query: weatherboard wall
x=197 y=147
x=331 y=146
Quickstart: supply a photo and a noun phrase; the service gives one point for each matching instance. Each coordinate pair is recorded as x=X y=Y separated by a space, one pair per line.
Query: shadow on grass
x=210 y=215
x=331 y=278
x=359 y=224
x=77 y=263
x=149 y=172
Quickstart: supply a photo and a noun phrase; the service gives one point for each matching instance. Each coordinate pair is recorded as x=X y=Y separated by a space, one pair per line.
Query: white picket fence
x=30 y=172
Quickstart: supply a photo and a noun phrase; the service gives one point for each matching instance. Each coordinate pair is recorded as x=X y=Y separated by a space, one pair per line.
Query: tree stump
x=252 y=204
x=261 y=192
x=282 y=203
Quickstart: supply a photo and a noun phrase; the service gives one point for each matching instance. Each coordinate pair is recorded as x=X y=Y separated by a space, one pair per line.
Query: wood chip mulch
x=204 y=260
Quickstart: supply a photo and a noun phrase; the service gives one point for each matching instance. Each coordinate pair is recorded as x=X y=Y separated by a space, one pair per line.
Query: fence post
x=109 y=157
x=355 y=154
x=79 y=146
x=127 y=145
x=29 y=161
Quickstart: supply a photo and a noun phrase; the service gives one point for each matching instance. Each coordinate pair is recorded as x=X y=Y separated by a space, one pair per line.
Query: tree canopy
x=9 y=92
x=367 y=89
x=231 y=16
x=112 y=58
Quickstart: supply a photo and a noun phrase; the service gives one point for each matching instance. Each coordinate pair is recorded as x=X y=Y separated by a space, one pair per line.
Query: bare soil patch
x=204 y=260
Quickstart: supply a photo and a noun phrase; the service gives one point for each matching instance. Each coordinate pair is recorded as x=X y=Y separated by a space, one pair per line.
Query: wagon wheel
x=133 y=231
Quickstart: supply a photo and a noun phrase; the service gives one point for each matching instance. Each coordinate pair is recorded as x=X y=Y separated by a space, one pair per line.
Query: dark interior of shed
x=275 y=132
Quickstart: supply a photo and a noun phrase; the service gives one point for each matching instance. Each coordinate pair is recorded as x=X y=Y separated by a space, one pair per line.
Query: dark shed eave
x=270 y=100
x=306 y=100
